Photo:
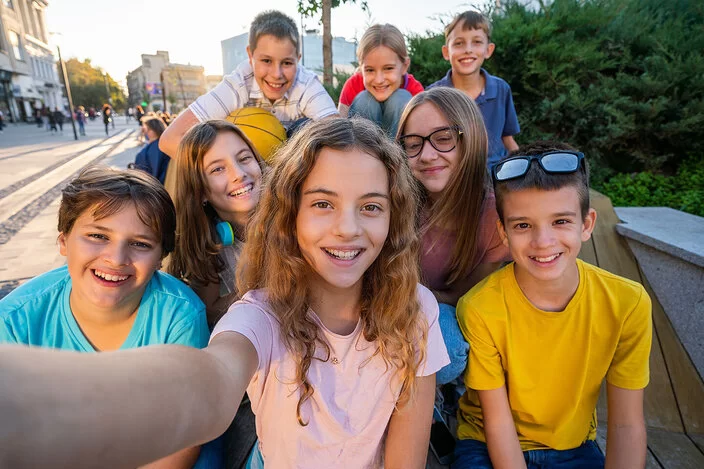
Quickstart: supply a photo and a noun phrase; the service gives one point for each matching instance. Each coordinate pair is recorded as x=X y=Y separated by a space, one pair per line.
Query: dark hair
x=470 y=20
x=155 y=124
x=106 y=191
x=275 y=23
x=536 y=178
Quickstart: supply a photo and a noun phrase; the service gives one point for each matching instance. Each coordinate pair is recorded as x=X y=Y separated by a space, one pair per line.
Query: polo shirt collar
x=490 y=87
x=255 y=92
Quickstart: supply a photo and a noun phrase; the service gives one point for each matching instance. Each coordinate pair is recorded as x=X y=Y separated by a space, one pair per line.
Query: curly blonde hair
x=390 y=311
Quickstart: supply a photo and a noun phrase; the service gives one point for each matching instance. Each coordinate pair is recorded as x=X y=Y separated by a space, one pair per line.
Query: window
x=15 y=43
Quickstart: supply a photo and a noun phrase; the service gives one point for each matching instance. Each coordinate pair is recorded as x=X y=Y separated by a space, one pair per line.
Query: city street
x=34 y=166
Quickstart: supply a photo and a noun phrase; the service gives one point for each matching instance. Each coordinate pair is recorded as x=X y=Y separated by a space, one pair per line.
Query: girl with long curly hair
x=335 y=341
x=443 y=135
x=218 y=179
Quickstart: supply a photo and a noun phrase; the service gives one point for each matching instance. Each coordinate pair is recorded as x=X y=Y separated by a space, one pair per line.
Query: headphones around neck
x=225 y=233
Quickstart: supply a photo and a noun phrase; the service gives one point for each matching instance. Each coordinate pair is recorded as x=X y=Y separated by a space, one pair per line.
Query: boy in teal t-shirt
x=115 y=227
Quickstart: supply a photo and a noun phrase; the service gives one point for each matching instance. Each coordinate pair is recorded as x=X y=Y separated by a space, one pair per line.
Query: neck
x=551 y=296
x=105 y=329
x=337 y=308
x=238 y=221
x=471 y=85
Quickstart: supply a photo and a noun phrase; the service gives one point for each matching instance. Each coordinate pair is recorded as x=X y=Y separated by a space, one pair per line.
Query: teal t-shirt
x=38 y=314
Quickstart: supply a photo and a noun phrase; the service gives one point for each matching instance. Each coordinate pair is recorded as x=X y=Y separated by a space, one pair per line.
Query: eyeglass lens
x=443 y=140
x=552 y=162
x=560 y=162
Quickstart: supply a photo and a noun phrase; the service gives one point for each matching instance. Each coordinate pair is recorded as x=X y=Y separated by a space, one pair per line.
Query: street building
x=28 y=77
x=164 y=85
x=344 y=52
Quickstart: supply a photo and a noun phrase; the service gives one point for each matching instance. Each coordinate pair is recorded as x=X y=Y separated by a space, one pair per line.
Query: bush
x=684 y=191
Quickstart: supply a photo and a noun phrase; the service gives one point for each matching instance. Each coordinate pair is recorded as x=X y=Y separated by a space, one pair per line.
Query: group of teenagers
x=396 y=243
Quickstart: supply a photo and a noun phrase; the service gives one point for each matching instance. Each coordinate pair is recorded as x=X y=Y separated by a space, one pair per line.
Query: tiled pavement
x=42 y=164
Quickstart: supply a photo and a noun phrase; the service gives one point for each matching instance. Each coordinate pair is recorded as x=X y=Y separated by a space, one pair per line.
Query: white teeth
x=276 y=85
x=344 y=255
x=109 y=277
x=546 y=259
x=242 y=190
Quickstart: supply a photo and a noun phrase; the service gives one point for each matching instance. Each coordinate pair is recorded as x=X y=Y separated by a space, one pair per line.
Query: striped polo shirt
x=305 y=98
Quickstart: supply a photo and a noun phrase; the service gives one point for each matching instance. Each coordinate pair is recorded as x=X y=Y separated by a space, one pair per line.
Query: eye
x=266 y=61
x=372 y=208
x=322 y=204
x=98 y=236
x=141 y=245
x=217 y=169
x=562 y=221
x=288 y=63
x=246 y=157
x=521 y=226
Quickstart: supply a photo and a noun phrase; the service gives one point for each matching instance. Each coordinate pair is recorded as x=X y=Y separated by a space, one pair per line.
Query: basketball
x=261 y=127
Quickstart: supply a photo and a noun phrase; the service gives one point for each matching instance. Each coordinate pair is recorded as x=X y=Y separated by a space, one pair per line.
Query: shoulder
x=305 y=76
x=601 y=283
x=240 y=76
x=36 y=291
x=428 y=303
x=444 y=81
x=488 y=292
x=166 y=289
x=497 y=83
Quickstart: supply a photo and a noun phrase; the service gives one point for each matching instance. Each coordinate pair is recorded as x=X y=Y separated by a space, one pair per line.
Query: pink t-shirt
x=352 y=402
x=435 y=262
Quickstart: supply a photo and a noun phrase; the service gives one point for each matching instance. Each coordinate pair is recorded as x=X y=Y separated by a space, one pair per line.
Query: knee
x=364 y=105
x=397 y=101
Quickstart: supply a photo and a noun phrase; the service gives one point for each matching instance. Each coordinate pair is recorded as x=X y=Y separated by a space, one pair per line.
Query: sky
x=114 y=33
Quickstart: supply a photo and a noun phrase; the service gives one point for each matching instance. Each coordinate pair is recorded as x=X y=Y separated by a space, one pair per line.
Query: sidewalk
x=31 y=249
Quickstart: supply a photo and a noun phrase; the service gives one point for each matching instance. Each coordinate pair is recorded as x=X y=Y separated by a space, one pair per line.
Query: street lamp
x=64 y=73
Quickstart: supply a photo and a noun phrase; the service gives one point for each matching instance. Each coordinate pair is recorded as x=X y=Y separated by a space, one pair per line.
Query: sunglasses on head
x=558 y=161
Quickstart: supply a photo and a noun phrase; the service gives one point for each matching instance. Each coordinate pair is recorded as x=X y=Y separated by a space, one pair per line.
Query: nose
x=236 y=172
x=427 y=152
x=542 y=237
x=378 y=77
x=116 y=253
x=277 y=71
x=347 y=224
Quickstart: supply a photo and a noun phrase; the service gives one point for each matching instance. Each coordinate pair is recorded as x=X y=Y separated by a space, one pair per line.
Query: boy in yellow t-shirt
x=547 y=329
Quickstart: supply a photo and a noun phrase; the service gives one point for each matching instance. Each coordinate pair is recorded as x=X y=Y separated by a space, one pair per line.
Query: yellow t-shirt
x=553 y=363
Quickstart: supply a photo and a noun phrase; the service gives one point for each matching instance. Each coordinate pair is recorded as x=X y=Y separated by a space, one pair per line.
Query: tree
x=88 y=85
x=311 y=8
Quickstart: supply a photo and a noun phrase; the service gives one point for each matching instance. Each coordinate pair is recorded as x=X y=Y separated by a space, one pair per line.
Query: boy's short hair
x=155 y=124
x=470 y=20
x=275 y=23
x=536 y=178
x=106 y=191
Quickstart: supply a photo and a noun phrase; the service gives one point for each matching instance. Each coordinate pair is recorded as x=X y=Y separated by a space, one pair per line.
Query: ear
x=445 y=52
x=490 y=49
x=406 y=64
x=62 y=244
x=249 y=55
x=502 y=232
x=588 y=225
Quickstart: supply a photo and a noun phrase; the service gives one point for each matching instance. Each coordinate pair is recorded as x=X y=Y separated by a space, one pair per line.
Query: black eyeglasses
x=560 y=161
x=443 y=140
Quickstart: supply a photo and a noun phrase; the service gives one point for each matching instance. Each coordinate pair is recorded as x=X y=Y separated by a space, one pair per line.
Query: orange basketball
x=261 y=127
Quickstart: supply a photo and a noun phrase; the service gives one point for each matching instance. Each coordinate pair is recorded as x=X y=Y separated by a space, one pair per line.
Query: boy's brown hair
x=536 y=178
x=470 y=20
x=105 y=191
x=274 y=23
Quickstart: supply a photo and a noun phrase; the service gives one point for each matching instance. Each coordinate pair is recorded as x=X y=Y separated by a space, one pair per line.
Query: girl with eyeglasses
x=443 y=135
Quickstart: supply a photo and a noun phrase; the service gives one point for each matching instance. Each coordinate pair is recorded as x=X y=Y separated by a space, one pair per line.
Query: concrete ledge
x=676 y=233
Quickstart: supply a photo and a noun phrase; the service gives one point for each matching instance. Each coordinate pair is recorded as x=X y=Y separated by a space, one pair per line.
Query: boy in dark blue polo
x=467 y=45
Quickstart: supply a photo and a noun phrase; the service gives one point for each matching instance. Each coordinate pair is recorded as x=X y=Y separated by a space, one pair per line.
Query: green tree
x=88 y=85
x=311 y=8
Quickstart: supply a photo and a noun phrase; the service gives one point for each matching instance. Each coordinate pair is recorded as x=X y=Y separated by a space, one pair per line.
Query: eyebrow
x=321 y=190
x=554 y=215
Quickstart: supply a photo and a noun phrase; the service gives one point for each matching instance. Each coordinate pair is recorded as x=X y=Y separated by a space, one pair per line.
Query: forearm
x=626 y=446
x=171 y=138
x=65 y=409
x=504 y=448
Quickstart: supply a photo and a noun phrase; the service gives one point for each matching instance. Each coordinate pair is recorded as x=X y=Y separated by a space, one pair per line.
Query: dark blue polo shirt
x=153 y=161
x=496 y=104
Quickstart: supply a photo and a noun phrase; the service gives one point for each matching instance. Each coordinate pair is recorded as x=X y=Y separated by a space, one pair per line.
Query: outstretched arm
x=170 y=139
x=69 y=409
x=626 y=441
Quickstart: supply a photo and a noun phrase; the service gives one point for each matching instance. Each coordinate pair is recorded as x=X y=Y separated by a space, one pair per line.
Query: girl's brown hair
x=382 y=35
x=195 y=258
x=460 y=204
x=272 y=260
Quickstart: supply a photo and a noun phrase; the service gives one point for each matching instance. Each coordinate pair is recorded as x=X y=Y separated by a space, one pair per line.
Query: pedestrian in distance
x=107 y=117
x=80 y=115
x=335 y=342
x=51 y=115
x=59 y=119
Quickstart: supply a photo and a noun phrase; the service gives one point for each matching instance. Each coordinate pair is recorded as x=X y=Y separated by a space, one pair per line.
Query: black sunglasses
x=443 y=140
x=559 y=161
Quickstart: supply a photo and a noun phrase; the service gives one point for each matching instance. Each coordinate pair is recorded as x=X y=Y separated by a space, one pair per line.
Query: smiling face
x=544 y=232
x=466 y=49
x=110 y=260
x=274 y=63
x=383 y=71
x=431 y=167
x=343 y=218
x=233 y=178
